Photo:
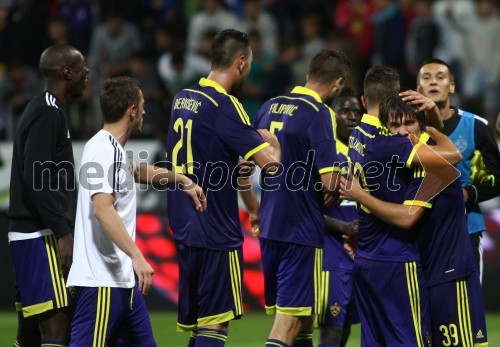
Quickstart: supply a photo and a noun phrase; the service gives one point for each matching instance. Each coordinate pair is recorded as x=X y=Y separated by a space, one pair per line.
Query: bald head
x=56 y=57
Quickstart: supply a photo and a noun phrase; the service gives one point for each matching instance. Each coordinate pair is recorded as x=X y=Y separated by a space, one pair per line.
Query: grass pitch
x=251 y=331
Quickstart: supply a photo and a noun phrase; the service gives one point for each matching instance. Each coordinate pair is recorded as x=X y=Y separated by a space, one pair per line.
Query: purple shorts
x=107 y=316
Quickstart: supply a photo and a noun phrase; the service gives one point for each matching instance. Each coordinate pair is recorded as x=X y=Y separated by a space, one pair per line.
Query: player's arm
x=434 y=155
x=489 y=185
x=401 y=216
x=429 y=107
x=39 y=152
x=268 y=158
x=337 y=226
x=112 y=224
x=247 y=193
x=150 y=174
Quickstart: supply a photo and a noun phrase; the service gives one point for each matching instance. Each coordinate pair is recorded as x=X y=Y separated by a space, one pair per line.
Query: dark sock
x=304 y=339
x=210 y=338
x=273 y=342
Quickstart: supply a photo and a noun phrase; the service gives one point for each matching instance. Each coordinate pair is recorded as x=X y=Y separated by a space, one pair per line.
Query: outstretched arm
x=443 y=153
x=399 y=215
x=150 y=174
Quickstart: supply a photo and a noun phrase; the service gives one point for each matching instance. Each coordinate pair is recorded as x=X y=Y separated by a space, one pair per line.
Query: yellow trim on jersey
x=420 y=203
x=414 y=296
x=235 y=274
x=58 y=282
x=215 y=319
x=182 y=327
x=424 y=137
x=294 y=311
x=204 y=94
x=464 y=321
x=205 y=82
x=102 y=316
x=482 y=344
x=328 y=169
x=301 y=99
x=341 y=147
x=256 y=149
x=270 y=310
x=362 y=131
x=412 y=154
x=306 y=91
x=42 y=307
x=371 y=120
x=213 y=335
x=241 y=111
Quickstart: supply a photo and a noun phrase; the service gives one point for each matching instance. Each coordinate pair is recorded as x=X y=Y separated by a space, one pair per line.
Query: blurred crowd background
x=165 y=44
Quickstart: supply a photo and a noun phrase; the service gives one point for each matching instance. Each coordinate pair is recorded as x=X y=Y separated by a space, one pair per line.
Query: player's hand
x=351 y=228
x=351 y=243
x=245 y=168
x=253 y=217
x=350 y=189
x=331 y=198
x=196 y=193
x=144 y=273
x=415 y=98
x=65 y=244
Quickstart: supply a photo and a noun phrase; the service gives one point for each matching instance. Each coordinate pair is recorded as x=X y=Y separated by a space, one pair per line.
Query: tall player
x=42 y=207
x=387 y=258
x=474 y=139
x=455 y=297
x=209 y=130
x=338 y=310
x=291 y=218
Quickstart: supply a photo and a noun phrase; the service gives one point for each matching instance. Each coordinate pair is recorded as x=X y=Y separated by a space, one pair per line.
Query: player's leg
x=219 y=295
x=477 y=248
x=136 y=329
x=99 y=315
x=42 y=287
x=457 y=312
x=337 y=316
x=295 y=281
x=392 y=301
x=28 y=332
x=187 y=308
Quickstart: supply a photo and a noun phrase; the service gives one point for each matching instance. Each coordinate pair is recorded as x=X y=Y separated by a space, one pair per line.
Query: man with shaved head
x=43 y=202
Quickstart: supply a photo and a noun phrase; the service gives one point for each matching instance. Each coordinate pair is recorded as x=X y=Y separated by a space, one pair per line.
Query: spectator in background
x=281 y=77
x=389 y=34
x=80 y=20
x=257 y=80
x=18 y=85
x=423 y=38
x=25 y=31
x=113 y=43
x=179 y=68
x=481 y=64
x=143 y=70
x=212 y=17
x=255 y=18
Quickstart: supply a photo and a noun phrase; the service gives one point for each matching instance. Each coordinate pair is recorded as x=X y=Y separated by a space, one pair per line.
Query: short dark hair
x=395 y=106
x=380 y=82
x=345 y=92
x=328 y=65
x=117 y=95
x=227 y=45
x=436 y=61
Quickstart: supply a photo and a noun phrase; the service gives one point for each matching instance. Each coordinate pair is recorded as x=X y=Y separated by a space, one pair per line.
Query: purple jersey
x=209 y=130
x=443 y=241
x=335 y=256
x=382 y=162
x=292 y=199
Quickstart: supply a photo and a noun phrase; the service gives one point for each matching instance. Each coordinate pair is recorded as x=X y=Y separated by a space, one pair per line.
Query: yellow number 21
x=187 y=167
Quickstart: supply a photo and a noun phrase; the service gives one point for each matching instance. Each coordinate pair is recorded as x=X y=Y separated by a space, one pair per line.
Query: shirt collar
x=307 y=91
x=204 y=82
x=371 y=120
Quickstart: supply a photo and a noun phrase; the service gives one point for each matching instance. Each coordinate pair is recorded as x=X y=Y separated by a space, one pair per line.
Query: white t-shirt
x=97 y=261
